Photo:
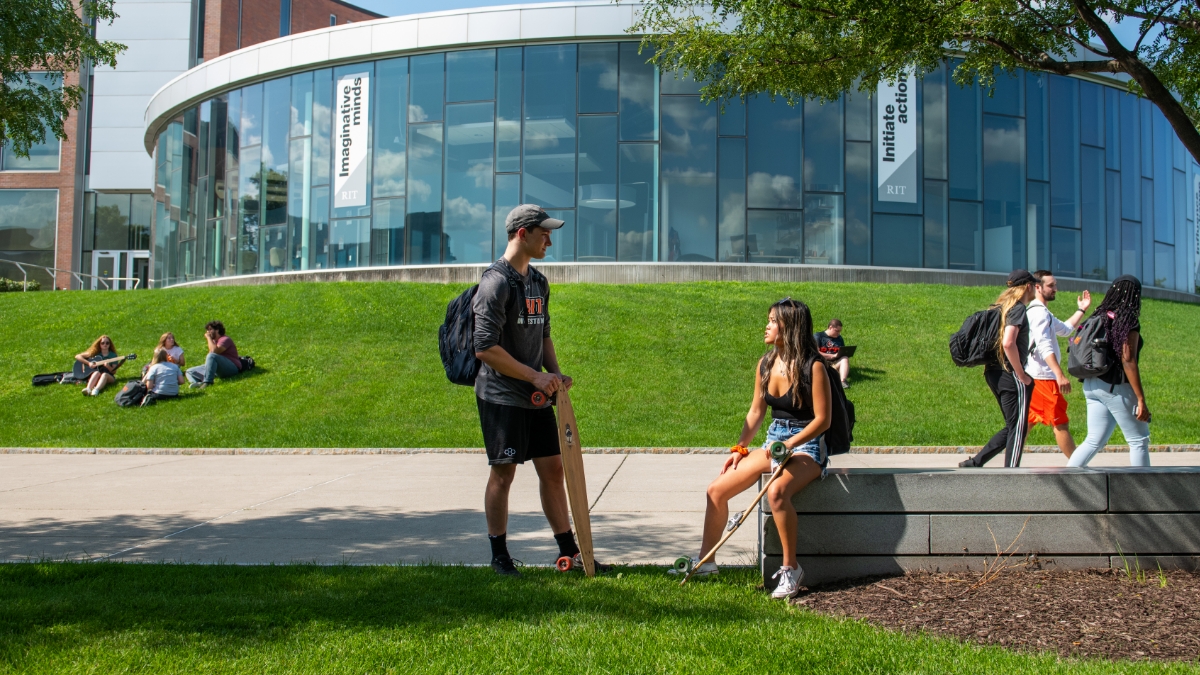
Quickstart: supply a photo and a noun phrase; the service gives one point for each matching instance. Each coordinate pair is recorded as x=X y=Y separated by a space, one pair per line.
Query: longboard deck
x=572 y=459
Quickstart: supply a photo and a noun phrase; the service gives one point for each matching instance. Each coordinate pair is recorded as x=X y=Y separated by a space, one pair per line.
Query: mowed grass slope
x=356 y=365
x=113 y=618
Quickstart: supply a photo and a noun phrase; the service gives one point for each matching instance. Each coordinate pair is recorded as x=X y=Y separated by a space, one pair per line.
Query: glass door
x=104 y=265
x=139 y=268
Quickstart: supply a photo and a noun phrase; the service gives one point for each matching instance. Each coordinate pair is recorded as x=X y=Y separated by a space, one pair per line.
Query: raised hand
x=1084 y=301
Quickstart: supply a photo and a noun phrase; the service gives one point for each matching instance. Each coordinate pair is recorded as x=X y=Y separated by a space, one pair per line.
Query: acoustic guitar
x=82 y=372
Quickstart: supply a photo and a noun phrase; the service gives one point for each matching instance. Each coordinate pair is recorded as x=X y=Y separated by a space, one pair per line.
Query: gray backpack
x=1088 y=352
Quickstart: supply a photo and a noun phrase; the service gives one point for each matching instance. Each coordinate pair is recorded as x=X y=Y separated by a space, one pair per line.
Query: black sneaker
x=505 y=566
x=968 y=463
x=601 y=568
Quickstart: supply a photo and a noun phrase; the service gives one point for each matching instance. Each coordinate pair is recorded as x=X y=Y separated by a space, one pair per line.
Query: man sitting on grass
x=222 y=359
x=830 y=344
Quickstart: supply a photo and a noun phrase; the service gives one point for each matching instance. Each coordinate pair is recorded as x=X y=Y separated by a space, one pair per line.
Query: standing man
x=512 y=339
x=829 y=344
x=1048 y=401
x=1005 y=374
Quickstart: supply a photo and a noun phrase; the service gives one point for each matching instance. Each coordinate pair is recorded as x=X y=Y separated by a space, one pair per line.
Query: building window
x=42 y=156
x=28 y=220
x=285 y=17
x=332 y=19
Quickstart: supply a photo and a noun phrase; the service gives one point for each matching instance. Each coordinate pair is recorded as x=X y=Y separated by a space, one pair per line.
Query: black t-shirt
x=826 y=344
x=1116 y=374
x=1016 y=317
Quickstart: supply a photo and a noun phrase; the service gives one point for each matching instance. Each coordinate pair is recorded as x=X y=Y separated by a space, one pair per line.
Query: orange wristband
x=740 y=449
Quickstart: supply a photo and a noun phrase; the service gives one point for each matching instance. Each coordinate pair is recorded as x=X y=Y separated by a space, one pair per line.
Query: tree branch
x=1058 y=29
x=1045 y=62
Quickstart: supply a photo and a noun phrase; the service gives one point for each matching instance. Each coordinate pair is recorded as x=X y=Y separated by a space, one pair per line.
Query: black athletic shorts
x=513 y=434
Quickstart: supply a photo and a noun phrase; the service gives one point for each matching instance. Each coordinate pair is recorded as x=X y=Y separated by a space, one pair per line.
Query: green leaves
x=51 y=36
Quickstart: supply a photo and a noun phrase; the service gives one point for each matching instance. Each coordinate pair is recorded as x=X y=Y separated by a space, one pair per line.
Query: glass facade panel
x=933 y=106
x=550 y=127
x=598 y=78
x=638 y=86
x=689 y=179
x=471 y=76
x=508 y=109
x=424 y=219
x=775 y=236
x=42 y=156
x=1094 y=252
x=111 y=222
x=391 y=134
x=823 y=159
x=637 y=224
x=1004 y=196
x=28 y=219
x=468 y=204
x=824 y=229
x=774 y=154
x=427 y=79
x=678 y=83
x=858 y=203
x=243 y=178
x=731 y=200
x=597 y=234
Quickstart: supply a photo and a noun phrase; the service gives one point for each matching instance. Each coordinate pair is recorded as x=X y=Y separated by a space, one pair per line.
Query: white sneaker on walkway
x=789 y=582
x=708 y=569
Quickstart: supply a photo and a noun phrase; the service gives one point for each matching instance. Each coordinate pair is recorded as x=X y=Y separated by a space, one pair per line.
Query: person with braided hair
x=1117 y=397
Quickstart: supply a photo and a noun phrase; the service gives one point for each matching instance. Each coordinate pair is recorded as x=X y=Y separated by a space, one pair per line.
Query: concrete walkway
x=365 y=509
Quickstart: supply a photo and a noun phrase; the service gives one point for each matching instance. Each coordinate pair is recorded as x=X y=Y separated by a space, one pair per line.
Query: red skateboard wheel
x=538 y=398
x=565 y=563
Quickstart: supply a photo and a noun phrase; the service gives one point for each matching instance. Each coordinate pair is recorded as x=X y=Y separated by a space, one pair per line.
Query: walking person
x=1117 y=396
x=791 y=381
x=1048 y=400
x=830 y=342
x=512 y=339
x=1006 y=376
x=222 y=359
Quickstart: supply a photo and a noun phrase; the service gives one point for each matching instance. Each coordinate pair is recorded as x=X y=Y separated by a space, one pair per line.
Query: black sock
x=566 y=543
x=499 y=544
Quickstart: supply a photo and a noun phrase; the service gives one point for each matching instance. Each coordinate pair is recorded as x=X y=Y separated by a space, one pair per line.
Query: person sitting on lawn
x=103 y=376
x=222 y=360
x=162 y=377
x=174 y=351
x=830 y=344
x=790 y=380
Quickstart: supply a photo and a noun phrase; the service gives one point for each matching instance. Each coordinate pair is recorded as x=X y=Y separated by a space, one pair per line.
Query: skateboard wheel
x=538 y=398
x=779 y=451
x=565 y=563
x=682 y=564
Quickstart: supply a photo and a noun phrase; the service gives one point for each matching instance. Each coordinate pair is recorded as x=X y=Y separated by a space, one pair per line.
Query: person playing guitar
x=102 y=376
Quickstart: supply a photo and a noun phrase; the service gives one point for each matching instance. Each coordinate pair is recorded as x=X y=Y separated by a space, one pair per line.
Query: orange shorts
x=1047 y=405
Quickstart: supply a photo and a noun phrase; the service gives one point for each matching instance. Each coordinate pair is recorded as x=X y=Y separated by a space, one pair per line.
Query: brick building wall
x=260 y=21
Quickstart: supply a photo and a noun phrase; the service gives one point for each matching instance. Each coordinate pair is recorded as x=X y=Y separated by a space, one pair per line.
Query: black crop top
x=785 y=408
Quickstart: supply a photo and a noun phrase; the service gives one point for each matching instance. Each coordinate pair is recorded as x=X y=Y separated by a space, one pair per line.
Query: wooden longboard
x=572 y=459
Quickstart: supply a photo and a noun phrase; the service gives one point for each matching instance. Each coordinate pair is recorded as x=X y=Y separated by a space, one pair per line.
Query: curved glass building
x=406 y=141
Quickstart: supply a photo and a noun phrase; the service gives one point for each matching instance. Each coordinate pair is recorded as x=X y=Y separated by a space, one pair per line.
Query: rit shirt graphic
x=535 y=310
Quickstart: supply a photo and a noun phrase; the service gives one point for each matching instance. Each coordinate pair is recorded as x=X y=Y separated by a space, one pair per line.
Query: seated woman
x=793 y=380
x=100 y=350
x=162 y=378
x=174 y=351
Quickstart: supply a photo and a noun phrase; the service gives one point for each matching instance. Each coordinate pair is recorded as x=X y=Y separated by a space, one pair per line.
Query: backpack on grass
x=974 y=343
x=131 y=394
x=456 y=336
x=1088 y=352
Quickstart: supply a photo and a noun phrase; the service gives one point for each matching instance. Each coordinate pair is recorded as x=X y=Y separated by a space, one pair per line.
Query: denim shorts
x=781 y=430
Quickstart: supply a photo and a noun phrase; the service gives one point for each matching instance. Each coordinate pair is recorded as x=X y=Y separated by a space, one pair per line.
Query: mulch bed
x=1093 y=613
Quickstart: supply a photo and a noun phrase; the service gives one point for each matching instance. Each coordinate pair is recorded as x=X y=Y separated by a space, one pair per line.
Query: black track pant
x=1013 y=397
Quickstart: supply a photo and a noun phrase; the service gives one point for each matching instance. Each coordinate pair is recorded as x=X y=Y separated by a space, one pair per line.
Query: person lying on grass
x=793 y=380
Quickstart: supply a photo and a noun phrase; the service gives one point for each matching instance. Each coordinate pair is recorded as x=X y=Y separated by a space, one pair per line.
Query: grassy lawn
x=356 y=365
x=77 y=618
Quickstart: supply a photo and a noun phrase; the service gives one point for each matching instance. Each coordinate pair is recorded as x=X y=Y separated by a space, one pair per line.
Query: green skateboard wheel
x=779 y=451
x=683 y=565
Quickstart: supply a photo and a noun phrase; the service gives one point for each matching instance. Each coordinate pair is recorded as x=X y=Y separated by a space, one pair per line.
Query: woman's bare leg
x=727 y=486
x=94 y=380
x=798 y=473
x=105 y=380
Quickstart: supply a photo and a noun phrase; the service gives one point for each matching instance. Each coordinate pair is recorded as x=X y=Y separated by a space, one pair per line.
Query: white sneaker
x=789 y=582
x=708 y=569
x=87 y=392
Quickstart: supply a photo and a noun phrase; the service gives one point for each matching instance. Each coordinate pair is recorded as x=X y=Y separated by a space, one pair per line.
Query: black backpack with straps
x=456 y=337
x=840 y=434
x=975 y=343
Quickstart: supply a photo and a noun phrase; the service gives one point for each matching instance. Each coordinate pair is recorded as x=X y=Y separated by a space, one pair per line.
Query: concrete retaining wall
x=660 y=273
x=863 y=522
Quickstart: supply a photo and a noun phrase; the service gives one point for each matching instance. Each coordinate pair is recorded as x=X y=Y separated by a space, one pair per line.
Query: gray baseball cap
x=530 y=215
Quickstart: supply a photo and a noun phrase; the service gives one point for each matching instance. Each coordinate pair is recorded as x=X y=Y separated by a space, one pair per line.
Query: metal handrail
x=78 y=276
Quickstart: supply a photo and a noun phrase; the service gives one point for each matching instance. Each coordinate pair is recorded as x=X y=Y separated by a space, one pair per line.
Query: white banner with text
x=350 y=133
x=896 y=139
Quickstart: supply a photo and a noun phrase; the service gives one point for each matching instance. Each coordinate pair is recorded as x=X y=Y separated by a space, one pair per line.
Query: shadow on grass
x=865 y=374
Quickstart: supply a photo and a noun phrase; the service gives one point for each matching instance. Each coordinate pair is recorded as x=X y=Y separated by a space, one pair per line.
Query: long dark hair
x=1121 y=309
x=798 y=348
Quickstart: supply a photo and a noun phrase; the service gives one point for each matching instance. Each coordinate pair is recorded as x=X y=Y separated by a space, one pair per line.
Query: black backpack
x=131 y=394
x=456 y=337
x=975 y=343
x=840 y=433
x=1088 y=352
